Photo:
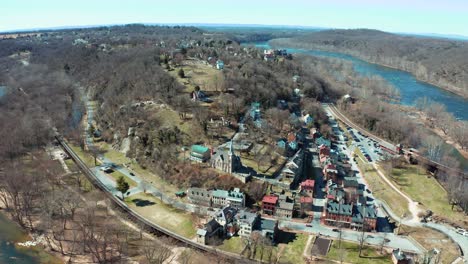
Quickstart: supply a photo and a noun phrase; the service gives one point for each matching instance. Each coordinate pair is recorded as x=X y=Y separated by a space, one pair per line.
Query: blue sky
x=412 y=16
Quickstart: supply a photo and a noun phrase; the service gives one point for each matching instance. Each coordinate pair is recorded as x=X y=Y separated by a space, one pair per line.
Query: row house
x=269 y=204
x=330 y=172
x=235 y=198
x=350 y=216
x=247 y=223
x=216 y=198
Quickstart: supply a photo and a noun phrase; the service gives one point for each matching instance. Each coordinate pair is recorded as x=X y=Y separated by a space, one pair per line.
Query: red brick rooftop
x=270 y=199
x=308 y=183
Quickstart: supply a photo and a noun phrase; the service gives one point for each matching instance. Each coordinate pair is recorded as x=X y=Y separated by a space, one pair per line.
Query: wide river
x=410 y=88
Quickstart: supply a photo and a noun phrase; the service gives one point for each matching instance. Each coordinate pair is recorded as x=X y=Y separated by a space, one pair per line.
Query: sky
x=408 y=16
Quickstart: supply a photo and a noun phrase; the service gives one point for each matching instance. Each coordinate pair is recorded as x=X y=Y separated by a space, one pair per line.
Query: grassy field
x=119 y=158
x=198 y=73
x=411 y=178
x=116 y=174
x=382 y=191
x=159 y=213
x=234 y=245
x=84 y=156
x=265 y=167
x=430 y=239
x=351 y=254
x=293 y=252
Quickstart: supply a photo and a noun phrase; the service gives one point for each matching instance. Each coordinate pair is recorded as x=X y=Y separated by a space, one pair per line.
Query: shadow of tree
x=142 y=203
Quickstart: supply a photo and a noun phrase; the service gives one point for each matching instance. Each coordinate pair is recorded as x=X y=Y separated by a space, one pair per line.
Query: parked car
x=308 y=225
x=132 y=174
x=335 y=230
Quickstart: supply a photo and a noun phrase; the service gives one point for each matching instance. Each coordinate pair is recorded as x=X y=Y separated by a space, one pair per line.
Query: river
x=10 y=234
x=410 y=88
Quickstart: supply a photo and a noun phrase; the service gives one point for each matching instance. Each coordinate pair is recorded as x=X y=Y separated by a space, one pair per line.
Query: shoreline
x=444 y=88
x=39 y=252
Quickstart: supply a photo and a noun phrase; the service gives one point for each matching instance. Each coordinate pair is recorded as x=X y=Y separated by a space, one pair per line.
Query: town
x=183 y=145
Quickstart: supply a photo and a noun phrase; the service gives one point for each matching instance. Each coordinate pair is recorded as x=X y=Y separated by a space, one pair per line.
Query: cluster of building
x=216 y=63
x=273 y=54
x=284 y=207
x=346 y=204
x=229 y=221
x=221 y=159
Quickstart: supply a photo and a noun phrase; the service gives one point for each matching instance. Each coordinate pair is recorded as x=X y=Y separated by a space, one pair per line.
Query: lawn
x=430 y=239
x=233 y=244
x=293 y=251
x=198 y=73
x=116 y=174
x=351 y=254
x=265 y=168
x=119 y=158
x=382 y=191
x=410 y=178
x=86 y=157
x=159 y=213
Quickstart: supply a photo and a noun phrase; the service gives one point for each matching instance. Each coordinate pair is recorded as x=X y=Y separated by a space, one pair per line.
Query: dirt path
x=412 y=205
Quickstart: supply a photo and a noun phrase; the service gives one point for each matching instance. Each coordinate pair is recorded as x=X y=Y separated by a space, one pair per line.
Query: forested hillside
x=442 y=62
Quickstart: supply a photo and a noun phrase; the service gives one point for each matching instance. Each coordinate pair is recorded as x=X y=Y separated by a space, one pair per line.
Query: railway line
x=154 y=228
x=390 y=145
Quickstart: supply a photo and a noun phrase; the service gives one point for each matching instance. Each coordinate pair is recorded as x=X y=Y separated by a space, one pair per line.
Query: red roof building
x=307 y=187
x=269 y=204
x=306 y=204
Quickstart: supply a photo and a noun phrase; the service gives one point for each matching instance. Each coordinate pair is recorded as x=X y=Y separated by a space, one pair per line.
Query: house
x=324 y=153
x=364 y=216
x=199 y=153
x=399 y=257
x=296 y=78
x=306 y=204
x=307 y=119
x=330 y=172
x=291 y=137
x=226 y=218
x=234 y=198
x=247 y=222
x=255 y=111
x=323 y=141
x=269 y=203
x=307 y=187
x=226 y=160
x=269 y=229
x=293 y=145
x=281 y=143
x=210 y=233
x=219 y=64
x=285 y=210
x=199 y=196
x=293 y=169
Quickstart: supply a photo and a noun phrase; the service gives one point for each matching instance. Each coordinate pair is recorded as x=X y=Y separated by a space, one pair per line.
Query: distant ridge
x=222 y=25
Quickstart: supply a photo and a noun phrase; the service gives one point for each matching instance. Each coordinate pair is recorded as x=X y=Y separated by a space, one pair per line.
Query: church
x=226 y=160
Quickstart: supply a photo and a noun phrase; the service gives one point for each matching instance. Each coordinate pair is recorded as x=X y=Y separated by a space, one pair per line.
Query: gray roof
x=227 y=213
x=341 y=209
x=201 y=232
x=360 y=210
x=268 y=224
x=286 y=206
x=211 y=226
x=247 y=217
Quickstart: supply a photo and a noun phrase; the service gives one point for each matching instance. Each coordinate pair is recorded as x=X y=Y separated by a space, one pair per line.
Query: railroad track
x=140 y=219
x=348 y=122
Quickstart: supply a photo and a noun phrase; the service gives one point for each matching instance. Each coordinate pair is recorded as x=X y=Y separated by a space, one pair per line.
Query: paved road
x=375 y=239
x=462 y=241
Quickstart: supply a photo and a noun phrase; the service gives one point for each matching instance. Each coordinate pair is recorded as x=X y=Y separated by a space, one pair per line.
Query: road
x=462 y=241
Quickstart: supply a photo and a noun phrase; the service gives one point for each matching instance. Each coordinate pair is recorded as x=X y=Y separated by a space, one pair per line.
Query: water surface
x=410 y=88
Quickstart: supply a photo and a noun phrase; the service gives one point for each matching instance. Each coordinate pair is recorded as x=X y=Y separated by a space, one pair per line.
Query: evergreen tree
x=122 y=186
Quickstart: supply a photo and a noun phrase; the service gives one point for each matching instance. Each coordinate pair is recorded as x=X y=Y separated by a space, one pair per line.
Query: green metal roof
x=199 y=149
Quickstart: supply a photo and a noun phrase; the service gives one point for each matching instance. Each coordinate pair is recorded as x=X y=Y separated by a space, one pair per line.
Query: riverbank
x=458 y=91
x=16 y=245
x=425 y=121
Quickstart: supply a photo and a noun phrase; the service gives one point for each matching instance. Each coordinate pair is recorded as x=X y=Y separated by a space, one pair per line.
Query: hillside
x=438 y=61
